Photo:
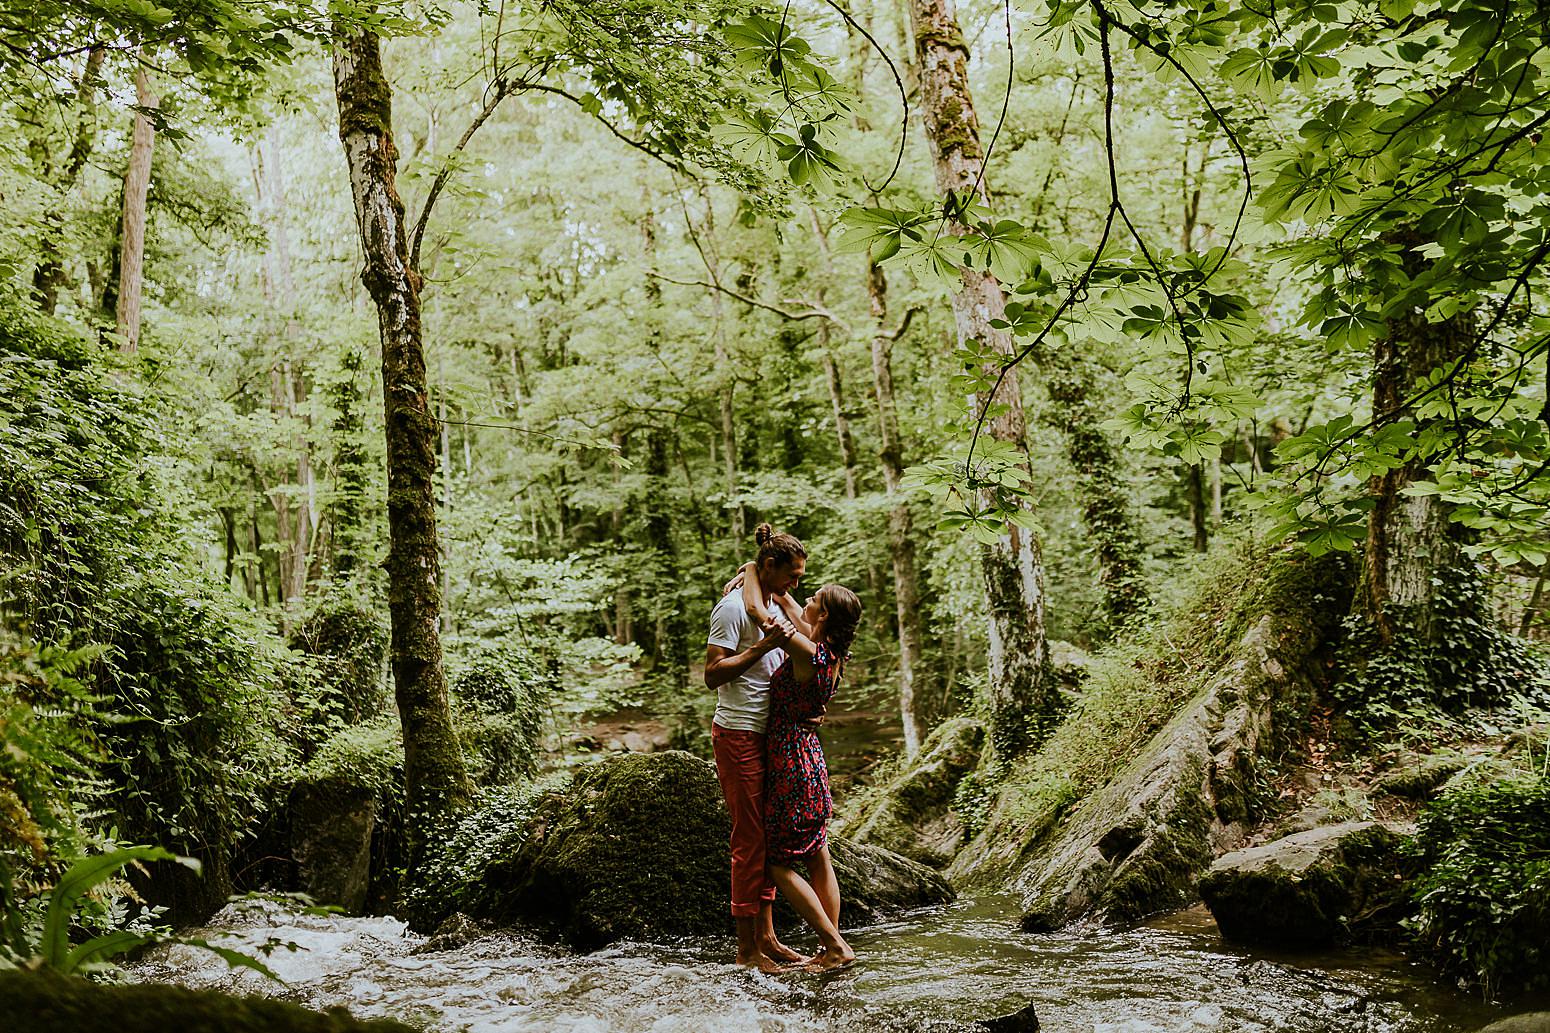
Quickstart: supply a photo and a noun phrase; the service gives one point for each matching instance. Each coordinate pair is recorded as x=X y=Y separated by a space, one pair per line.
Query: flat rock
x=1329 y=884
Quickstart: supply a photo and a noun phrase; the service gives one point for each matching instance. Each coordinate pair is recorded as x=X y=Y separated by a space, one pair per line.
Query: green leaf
x=79 y=880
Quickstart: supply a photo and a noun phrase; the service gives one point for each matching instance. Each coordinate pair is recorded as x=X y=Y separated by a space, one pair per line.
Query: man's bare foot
x=780 y=952
x=831 y=961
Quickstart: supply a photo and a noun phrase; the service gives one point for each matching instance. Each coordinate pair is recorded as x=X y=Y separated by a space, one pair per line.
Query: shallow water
x=933 y=970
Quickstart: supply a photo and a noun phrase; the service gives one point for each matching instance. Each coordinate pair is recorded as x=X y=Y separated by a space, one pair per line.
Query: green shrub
x=1484 y=893
x=345 y=640
x=501 y=697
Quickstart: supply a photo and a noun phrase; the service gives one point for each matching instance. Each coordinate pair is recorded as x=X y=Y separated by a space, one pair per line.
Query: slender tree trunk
x=831 y=374
x=352 y=479
x=1022 y=694
x=920 y=705
x=624 y=632
x=137 y=186
x=672 y=638
x=1535 y=604
x=49 y=274
x=1105 y=498
x=1195 y=486
x=436 y=781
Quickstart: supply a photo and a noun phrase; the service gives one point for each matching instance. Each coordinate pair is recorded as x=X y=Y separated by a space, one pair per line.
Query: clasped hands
x=777 y=631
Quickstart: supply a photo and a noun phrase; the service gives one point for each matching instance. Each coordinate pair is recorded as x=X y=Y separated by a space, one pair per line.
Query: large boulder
x=331 y=825
x=1528 y=1022
x=911 y=813
x=1329 y=884
x=1158 y=769
x=636 y=847
x=46 y=1003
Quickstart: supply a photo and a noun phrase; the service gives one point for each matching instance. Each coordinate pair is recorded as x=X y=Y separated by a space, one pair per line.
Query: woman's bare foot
x=831 y=960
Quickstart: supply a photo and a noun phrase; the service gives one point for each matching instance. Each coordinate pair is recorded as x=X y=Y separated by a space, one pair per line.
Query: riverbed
x=934 y=970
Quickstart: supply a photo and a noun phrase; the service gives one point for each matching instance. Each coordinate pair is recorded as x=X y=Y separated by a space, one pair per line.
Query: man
x=740 y=657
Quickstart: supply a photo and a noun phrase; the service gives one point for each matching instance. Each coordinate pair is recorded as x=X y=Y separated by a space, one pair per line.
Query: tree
x=137 y=185
x=1021 y=689
x=436 y=782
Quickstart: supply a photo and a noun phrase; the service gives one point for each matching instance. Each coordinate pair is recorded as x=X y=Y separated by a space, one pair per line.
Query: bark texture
x=1021 y=689
x=436 y=782
x=137 y=187
x=1408 y=537
x=919 y=702
x=49 y=275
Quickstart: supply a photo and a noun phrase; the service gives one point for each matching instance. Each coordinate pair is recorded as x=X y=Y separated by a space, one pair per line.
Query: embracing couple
x=774 y=665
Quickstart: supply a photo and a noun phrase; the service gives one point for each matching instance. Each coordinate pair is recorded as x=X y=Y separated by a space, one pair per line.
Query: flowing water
x=935 y=970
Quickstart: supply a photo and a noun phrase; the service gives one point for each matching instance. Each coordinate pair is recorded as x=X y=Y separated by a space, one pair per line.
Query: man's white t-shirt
x=742 y=704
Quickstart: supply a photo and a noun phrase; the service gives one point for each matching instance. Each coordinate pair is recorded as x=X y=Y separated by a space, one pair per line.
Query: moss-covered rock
x=912 y=812
x=635 y=847
x=1157 y=770
x=1417 y=776
x=52 y=1004
x=1326 y=885
x=1528 y=1022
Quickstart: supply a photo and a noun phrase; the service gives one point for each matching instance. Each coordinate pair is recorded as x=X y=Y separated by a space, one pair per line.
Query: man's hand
x=816 y=721
x=777 y=632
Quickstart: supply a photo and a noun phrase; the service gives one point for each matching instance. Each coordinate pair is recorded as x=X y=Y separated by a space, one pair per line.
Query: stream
x=934 y=970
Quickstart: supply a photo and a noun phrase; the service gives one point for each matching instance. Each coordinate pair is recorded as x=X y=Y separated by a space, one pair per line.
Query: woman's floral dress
x=797 y=803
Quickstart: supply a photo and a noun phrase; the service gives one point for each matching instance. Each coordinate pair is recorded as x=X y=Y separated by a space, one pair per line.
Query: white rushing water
x=934 y=971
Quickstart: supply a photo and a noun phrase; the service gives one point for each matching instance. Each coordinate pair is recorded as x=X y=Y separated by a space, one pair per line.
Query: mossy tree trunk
x=1105 y=501
x=1409 y=538
x=920 y=702
x=436 y=782
x=49 y=275
x=1021 y=690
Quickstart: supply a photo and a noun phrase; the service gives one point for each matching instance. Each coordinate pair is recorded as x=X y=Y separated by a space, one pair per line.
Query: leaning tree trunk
x=920 y=705
x=435 y=780
x=137 y=187
x=1021 y=689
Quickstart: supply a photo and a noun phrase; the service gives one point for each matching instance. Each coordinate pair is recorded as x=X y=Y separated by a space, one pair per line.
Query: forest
x=389 y=390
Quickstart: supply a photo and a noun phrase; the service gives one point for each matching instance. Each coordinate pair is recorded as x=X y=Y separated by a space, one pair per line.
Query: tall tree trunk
x=672 y=636
x=1022 y=693
x=347 y=515
x=624 y=631
x=920 y=704
x=49 y=274
x=137 y=186
x=1195 y=487
x=435 y=779
x=1105 y=499
x=1409 y=538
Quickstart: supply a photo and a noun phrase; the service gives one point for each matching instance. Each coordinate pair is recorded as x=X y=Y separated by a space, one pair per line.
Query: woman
x=797 y=801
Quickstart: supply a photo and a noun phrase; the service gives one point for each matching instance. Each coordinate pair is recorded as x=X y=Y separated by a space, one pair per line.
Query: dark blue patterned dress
x=797 y=802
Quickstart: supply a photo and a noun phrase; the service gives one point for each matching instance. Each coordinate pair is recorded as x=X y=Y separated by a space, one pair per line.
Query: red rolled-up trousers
x=740 y=770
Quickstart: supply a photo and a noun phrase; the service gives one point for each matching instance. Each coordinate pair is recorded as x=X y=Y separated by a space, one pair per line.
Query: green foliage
x=1484 y=894
x=1465 y=660
x=502 y=698
x=48 y=756
x=345 y=639
x=369 y=755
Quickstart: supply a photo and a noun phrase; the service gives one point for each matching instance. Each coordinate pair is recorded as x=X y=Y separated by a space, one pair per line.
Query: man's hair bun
x=762 y=535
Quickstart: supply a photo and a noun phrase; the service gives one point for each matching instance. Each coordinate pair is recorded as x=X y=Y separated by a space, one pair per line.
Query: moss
x=39 y=1001
x=1135 y=685
x=1339 y=883
x=634 y=846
